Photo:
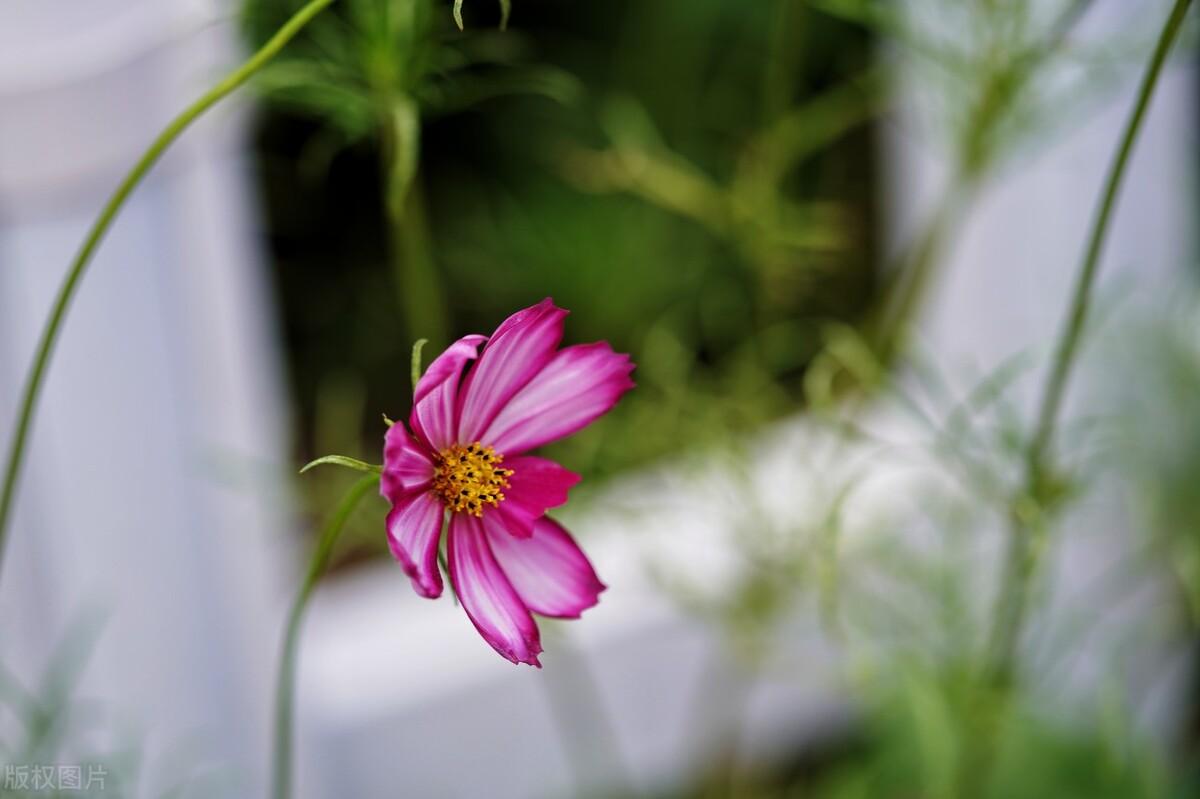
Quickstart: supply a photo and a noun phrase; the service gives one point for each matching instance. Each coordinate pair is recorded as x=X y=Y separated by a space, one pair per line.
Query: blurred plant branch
x=753 y=211
x=1002 y=74
x=1043 y=489
x=1041 y=485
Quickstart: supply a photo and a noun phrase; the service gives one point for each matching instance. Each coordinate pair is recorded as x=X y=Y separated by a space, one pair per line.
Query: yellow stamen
x=469 y=477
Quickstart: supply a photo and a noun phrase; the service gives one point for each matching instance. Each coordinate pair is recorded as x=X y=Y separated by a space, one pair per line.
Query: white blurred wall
x=149 y=510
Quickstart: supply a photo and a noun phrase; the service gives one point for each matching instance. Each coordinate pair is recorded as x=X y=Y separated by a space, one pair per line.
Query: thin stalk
x=907 y=281
x=1026 y=516
x=1073 y=331
x=410 y=249
x=412 y=257
x=285 y=688
x=1017 y=564
x=70 y=284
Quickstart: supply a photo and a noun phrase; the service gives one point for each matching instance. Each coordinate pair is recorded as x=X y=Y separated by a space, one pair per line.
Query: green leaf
x=343 y=460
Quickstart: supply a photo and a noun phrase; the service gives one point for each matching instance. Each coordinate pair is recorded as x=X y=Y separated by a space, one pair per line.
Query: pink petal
x=548 y=570
x=580 y=384
x=433 y=416
x=517 y=351
x=536 y=485
x=486 y=594
x=406 y=465
x=414 y=527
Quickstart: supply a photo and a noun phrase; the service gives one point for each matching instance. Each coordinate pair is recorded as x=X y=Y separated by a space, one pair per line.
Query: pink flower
x=471 y=427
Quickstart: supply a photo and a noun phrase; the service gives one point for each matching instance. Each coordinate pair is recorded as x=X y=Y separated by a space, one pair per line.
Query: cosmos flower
x=475 y=416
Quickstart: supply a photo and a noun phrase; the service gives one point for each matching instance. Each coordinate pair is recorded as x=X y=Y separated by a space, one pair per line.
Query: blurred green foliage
x=523 y=199
x=652 y=166
x=915 y=740
x=1156 y=444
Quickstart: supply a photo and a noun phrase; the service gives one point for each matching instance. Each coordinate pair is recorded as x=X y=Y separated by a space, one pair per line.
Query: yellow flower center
x=469 y=477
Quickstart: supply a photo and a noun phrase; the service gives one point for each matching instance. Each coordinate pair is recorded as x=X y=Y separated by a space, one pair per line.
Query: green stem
x=1018 y=564
x=1073 y=331
x=1027 y=513
x=285 y=688
x=784 y=59
x=908 y=280
x=412 y=254
x=410 y=249
x=70 y=284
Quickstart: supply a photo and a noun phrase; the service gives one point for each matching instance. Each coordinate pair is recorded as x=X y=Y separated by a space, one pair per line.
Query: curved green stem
x=1026 y=516
x=70 y=284
x=285 y=688
x=1069 y=339
x=1017 y=565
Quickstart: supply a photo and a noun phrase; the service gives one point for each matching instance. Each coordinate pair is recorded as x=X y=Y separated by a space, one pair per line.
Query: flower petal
x=433 y=417
x=486 y=594
x=548 y=570
x=580 y=384
x=517 y=351
x=414 y=528
x=406 y=465
x=536 y=485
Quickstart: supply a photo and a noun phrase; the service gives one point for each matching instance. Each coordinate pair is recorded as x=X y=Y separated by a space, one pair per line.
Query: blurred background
x=838 y=238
